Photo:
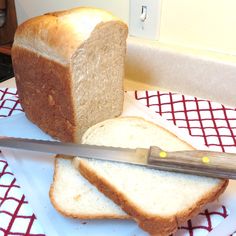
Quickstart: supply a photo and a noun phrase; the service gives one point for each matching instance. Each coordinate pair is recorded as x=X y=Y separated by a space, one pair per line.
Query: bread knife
x=198 y=162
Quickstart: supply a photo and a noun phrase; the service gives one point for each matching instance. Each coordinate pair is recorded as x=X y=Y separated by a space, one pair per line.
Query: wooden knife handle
x=208 y=163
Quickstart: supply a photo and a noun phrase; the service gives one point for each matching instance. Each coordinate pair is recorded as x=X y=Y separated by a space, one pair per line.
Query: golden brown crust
x=62 y=210
x=154 y=225
x=45 y=93
x=150 y=224
x=58 y=33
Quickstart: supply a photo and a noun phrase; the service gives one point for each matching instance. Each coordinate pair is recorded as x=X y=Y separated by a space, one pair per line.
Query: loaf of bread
x=159 y=201
x=69 y=69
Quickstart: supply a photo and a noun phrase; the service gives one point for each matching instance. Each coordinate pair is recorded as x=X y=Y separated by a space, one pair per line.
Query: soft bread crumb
x=74 y=196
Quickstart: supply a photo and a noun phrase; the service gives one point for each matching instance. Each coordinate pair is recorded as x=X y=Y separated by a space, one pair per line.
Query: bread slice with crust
x=159 y=201
x=73 y=196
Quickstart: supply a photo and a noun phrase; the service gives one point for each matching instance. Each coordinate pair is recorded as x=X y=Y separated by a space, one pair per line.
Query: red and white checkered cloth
x=16 y=216
x=210 y=123
x=9 y=102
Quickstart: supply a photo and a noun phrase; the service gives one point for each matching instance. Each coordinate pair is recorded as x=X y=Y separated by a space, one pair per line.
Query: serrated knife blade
x=198 y=162
x=135 y=156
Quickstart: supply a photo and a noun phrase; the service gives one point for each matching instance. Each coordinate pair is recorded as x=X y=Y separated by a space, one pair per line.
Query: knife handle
x=207 y=163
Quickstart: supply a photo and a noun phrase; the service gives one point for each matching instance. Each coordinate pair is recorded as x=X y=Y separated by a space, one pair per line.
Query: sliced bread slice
x=159 y=201
x=73 y=196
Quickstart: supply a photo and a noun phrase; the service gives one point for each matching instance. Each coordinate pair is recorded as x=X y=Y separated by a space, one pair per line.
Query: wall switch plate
x=144 y=18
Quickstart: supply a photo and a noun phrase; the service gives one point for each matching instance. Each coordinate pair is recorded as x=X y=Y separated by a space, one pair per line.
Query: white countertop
x=10 y=83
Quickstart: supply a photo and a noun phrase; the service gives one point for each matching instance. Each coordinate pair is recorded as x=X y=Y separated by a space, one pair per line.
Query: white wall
x=204 y=24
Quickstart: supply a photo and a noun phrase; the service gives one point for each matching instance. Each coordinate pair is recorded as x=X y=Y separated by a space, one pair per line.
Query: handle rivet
x=205 y=159
x=163 y=154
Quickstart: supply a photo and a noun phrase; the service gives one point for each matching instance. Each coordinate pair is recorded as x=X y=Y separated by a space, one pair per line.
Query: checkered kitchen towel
x=9 y=102
x=210 y=123
x=16 y=216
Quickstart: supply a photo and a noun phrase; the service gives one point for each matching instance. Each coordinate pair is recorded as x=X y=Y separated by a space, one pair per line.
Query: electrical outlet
x=144 y=18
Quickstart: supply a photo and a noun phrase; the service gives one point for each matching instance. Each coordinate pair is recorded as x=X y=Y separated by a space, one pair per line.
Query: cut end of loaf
x=98 y=73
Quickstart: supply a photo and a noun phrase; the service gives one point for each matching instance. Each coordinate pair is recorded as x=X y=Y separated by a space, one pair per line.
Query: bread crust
x=62 y=210
x=45 y=93
x=57 y=33
x=153 y=224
